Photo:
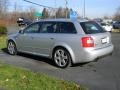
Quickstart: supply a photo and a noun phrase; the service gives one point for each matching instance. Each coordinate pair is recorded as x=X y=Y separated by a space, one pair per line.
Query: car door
x=26 y=40
x=46 y=38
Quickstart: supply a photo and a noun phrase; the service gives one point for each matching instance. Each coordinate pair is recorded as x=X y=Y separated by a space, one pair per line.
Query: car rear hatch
x=101 y=40
x=99 y=37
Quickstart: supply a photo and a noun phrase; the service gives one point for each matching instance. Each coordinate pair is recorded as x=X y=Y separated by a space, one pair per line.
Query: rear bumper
x=91 y=55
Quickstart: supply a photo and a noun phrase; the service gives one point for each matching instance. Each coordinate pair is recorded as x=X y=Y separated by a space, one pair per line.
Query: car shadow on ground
x=5 y=50
x=33 y=57
x=80 y=64
x=43 y=59
x=37 y=58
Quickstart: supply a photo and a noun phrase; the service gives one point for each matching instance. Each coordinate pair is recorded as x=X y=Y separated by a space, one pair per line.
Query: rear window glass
x=91 y=27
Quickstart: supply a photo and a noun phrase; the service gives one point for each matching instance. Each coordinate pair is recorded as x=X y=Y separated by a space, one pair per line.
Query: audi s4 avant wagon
x=64 y=41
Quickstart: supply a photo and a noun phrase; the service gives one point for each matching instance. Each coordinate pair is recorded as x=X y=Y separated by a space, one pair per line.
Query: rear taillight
x=87 y=42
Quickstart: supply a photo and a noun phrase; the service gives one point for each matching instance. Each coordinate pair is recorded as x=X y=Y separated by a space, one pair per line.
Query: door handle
x=32 y=37
x=51 y=38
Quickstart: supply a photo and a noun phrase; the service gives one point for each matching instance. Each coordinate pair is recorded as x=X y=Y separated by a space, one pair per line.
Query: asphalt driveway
x=101 y=75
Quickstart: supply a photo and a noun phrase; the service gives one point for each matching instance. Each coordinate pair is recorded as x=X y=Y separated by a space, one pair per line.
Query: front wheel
x=11 y=47
x=61 y=57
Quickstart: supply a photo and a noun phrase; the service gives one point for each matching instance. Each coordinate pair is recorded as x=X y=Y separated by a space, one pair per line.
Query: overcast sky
x=94 y=8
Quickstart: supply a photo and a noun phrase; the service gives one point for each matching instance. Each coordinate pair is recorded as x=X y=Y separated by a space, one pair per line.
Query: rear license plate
x=105 y=40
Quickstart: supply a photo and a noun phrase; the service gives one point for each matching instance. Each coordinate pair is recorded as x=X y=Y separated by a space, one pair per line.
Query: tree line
x=17 y=12
x=12 y=16
x=56 y=13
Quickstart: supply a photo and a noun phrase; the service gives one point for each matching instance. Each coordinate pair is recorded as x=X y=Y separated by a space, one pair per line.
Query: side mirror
x=21 y=31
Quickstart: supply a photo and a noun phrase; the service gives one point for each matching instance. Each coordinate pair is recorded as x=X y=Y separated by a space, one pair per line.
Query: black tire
x=62 y=60
x=11 y=48
x=114 y=27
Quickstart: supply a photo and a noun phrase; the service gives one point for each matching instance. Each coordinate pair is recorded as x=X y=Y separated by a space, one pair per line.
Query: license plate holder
x=104 y=40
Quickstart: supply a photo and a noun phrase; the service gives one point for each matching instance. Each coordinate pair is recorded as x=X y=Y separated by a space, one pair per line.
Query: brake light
x=87 y=42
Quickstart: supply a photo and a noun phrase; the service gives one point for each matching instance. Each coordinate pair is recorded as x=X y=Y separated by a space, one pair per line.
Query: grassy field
x=2 y=42
x=14 y=78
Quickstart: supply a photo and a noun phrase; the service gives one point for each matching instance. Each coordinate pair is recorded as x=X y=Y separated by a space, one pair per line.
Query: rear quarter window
x=91 y=27
x=67 y=27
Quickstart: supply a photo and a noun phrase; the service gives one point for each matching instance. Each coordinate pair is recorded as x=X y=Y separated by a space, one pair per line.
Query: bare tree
x=30 y=13
x=3 y=7
x=61 y=12
x=15 y=13
x=45 y=13
x=117 y=14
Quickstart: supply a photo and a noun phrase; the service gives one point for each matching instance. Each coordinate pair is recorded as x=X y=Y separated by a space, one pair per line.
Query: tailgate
x=100 y=37
x=101 y=40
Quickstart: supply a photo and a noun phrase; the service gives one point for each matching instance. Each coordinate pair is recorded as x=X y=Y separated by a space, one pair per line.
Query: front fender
x=12 y=37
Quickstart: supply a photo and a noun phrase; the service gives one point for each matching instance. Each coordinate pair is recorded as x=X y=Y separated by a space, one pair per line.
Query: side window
x=67 y=27
x=48 y=27
x=34 y=28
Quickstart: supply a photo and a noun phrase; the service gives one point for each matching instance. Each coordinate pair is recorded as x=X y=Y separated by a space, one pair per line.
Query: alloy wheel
x=12 y=48
x=61 y=58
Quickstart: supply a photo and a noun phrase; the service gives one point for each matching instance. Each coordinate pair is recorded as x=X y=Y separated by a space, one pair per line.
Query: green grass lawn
x=2 y=42
x=14 y=78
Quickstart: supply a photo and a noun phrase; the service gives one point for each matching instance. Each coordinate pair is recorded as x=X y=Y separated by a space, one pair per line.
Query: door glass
x=34 y=28
x=48 y=27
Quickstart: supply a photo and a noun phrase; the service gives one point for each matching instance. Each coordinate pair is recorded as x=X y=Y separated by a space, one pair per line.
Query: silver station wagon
x=64 y=41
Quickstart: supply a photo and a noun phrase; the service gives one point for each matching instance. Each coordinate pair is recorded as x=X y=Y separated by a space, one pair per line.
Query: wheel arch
x=67 y=48
x=15 y=48
x=11 y=40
